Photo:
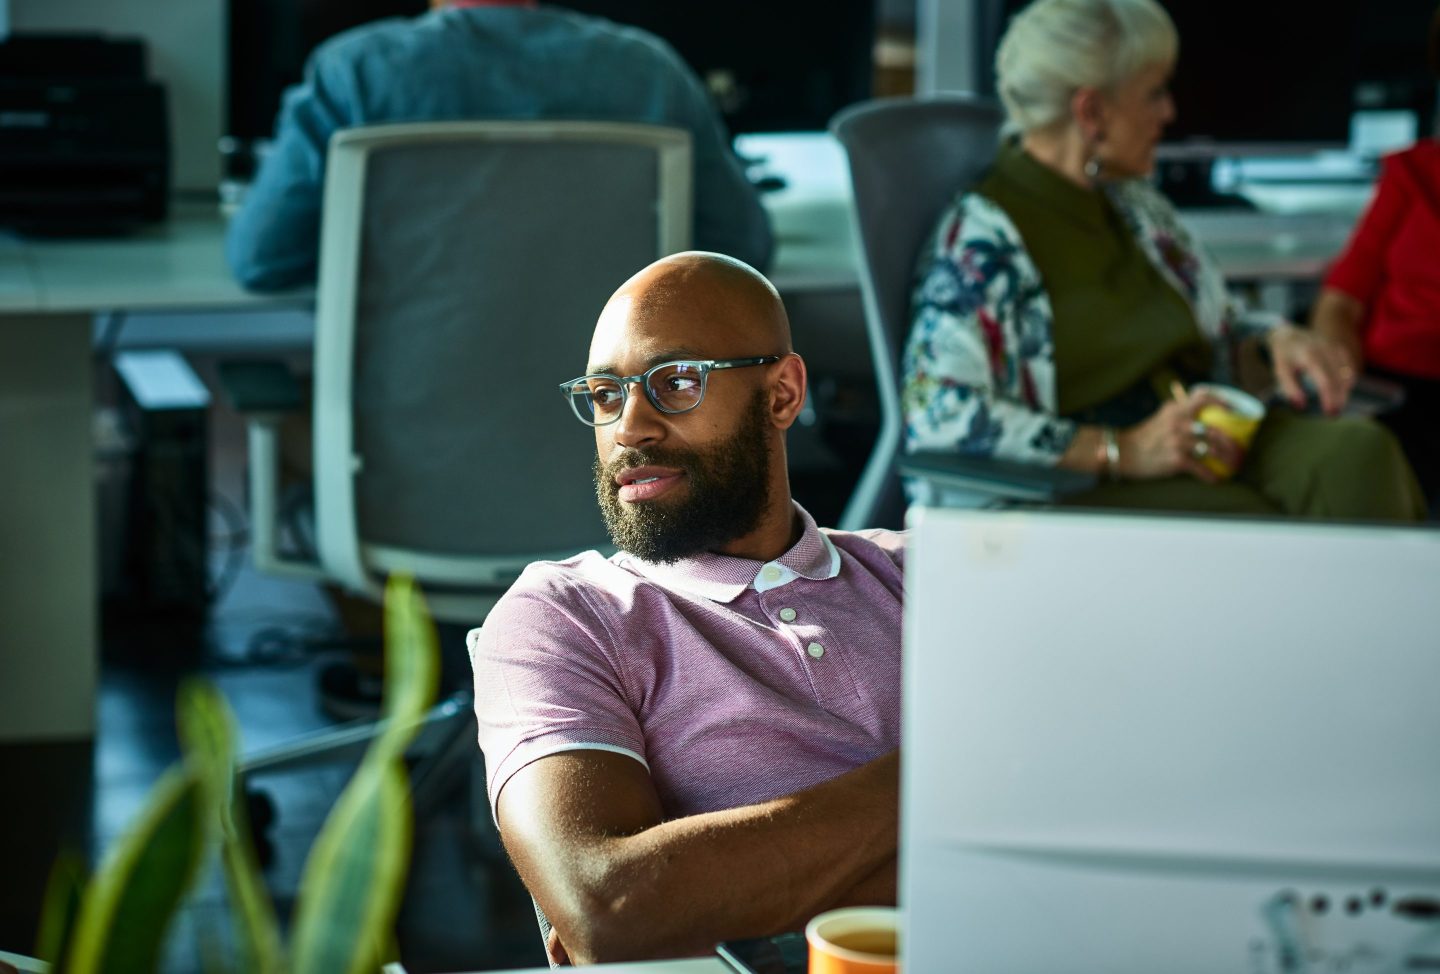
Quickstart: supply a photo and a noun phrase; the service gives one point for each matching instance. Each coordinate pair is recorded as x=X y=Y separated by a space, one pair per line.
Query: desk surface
x=180 y=265
x=697 y=965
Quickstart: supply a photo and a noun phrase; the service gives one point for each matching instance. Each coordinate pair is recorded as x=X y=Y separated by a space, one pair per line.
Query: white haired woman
x=1061 y=301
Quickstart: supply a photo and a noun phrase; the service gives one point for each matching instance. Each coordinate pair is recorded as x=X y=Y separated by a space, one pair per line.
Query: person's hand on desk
x=1298 y=355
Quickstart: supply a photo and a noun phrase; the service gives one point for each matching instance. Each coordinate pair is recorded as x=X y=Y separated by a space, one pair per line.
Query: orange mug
x=855 y=940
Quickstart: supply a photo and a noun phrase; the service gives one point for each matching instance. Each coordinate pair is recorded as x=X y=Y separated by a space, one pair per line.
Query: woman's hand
x=1173 y=441
x=1298 y=353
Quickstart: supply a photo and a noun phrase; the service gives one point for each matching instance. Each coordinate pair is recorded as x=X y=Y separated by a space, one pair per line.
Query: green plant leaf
x=207 y=730
x=60 y=908
x=257 y=933
x=351 y=888
x=132 y=899
x=207 y=738
x=354 y=877
x=412 y=664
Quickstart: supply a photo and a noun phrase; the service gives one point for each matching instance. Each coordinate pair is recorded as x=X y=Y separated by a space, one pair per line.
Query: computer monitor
x=771 y=67
x=268 y=43
x=1137 y=744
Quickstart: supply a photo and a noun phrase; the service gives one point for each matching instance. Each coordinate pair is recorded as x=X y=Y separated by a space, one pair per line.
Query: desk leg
x=48 y=589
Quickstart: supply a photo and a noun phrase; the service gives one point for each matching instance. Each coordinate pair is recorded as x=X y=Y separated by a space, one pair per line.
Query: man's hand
x=586 y=832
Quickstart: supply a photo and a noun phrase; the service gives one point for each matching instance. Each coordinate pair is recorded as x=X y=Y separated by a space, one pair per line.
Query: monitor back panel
x=1139 y=744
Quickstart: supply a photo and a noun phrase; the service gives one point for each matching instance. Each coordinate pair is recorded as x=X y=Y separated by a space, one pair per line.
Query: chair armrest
x=1373 y=396
x=264 y=391
x=22 y=963
x=260 y=386
x=1003 y=479
x=264 y=442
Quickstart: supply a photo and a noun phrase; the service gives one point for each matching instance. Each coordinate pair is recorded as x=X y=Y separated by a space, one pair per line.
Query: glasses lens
x=678 y=386
x=596 y=399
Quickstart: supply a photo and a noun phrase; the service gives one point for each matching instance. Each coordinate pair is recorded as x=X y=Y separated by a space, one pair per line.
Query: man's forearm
x=880 y=888
x=678 y=887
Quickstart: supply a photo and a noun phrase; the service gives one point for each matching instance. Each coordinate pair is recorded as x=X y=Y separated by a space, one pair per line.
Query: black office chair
x=462 y=265
x=909 y=157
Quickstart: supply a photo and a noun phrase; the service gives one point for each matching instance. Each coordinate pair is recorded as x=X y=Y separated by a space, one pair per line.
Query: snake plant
x=351 y=886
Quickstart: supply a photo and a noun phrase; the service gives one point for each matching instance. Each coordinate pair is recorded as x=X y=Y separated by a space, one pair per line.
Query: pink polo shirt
x=733 y=681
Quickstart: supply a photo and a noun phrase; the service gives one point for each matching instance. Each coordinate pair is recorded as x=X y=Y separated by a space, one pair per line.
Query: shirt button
x=787 y=615
x=771 y=572
x=815 y=650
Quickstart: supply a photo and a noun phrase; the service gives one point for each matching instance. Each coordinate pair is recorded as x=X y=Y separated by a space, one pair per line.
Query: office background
x=188 y=51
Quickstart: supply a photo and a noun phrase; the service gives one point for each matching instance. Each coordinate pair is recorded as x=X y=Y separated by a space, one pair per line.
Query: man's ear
x=787 y=390
x=1087 y=107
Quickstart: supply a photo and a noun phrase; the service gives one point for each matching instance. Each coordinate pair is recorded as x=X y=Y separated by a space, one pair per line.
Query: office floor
x=464 y=908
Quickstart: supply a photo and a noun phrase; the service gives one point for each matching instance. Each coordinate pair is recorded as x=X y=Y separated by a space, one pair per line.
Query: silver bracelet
x=1112 y=452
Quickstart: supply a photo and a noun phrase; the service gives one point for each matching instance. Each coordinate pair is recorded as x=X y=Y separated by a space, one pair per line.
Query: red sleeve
x=1359 y=268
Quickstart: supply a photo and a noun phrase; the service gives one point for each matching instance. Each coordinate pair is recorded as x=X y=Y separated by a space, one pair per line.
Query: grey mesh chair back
x=462 y=268
x=908 y=159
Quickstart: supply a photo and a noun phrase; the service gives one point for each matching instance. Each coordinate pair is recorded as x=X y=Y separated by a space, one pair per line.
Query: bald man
x=694 y=740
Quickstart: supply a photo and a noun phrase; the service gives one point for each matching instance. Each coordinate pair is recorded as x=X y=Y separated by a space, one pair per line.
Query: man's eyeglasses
x=671 y=387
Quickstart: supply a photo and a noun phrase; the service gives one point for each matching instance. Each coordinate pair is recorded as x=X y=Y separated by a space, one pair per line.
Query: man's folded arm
x=587 y=835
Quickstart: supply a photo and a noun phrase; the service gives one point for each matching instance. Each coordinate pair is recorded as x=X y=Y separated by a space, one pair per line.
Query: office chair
x=462 y=266
x=909 y=158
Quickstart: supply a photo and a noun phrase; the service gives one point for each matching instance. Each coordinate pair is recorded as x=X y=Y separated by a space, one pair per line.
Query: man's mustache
x=629 y=458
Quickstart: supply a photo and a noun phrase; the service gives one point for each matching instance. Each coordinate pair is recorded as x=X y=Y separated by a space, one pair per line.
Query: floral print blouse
x=979 y=364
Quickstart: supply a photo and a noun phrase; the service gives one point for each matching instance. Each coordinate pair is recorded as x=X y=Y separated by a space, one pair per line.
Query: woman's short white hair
x=1053 y=47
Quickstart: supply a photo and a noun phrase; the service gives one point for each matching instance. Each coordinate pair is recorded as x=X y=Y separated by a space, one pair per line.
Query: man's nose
x=640 y=422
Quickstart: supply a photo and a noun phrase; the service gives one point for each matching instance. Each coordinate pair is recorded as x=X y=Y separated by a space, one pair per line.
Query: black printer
x=84 y=136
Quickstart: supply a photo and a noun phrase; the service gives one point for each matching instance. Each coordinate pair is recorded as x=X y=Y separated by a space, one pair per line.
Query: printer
x=84 y=136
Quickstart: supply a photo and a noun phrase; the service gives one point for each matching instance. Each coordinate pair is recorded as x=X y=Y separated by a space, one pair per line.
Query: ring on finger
x=1198 y=429
x=1200 y=450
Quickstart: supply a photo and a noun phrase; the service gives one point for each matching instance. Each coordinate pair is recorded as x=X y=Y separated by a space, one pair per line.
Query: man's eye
x=682 y=383
x=605 y=395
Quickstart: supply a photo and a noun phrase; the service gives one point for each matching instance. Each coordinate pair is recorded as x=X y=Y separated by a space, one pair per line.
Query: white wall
x=187 y=53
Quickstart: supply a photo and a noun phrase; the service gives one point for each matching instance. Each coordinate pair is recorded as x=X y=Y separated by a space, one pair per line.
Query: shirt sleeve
x=980 y=331
x=274 y=241
x=1361 y=266
x=545 y=683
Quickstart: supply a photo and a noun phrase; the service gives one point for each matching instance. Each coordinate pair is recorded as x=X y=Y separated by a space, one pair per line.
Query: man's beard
x=727 y=493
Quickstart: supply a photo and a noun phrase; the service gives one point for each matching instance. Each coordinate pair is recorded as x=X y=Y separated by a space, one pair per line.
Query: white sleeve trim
x=560 y=749
x=586 y=746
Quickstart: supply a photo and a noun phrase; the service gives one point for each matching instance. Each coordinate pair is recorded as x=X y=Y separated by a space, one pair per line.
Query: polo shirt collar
x=722 y=578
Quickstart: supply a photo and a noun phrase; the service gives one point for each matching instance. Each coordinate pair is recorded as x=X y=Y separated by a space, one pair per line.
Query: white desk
x=49 y=294
x=1273 y=247
x=698 y=965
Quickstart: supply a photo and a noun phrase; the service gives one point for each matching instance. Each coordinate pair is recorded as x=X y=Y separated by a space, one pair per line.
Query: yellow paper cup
x=1238 y=419
x=855 y=940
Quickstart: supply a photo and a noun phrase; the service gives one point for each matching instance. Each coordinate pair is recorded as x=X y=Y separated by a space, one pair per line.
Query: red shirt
x=1392 y=264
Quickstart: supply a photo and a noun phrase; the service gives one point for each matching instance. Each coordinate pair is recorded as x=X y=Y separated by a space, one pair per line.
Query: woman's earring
x=1092 y=161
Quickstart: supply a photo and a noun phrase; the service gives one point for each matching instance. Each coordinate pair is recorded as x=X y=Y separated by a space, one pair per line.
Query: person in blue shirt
x=478 y=59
